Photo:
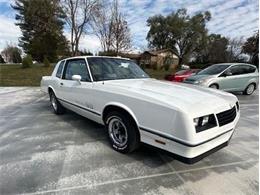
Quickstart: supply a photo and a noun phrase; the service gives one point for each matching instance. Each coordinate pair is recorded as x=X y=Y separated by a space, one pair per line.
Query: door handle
x=61 y=83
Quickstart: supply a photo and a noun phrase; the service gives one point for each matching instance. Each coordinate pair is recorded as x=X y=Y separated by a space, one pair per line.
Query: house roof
x=156 y=52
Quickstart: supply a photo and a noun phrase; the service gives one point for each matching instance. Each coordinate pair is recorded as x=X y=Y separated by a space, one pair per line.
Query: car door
x=228 y=79
x=77 y=94
x=234 y=78
x=58 y=78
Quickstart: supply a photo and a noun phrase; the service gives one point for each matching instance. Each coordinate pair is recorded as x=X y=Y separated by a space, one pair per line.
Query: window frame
x=76 y=59
x=63 y=64
x=244 y=66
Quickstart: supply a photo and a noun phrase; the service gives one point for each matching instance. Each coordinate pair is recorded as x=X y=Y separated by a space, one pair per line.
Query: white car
x=189 y=121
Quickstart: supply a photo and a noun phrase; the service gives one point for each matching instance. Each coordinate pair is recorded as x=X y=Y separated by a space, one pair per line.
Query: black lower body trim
x=86 y=109
x=182 y=142
x=189 y=160
x=200 y=157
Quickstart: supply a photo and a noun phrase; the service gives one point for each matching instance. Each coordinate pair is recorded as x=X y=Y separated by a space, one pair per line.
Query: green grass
x=15 y=75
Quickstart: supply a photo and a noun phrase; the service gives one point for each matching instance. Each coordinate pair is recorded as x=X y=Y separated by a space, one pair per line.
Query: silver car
x=233 y=77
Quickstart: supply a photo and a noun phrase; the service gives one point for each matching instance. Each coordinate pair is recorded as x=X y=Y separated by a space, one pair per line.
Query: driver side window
x=76 y=67
x=234 y=70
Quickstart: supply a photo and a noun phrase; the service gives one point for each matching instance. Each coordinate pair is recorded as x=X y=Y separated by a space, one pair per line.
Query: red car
x=181 y=75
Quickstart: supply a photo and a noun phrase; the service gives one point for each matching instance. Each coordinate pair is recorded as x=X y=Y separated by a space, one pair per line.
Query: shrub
x=27 y=61
x=46 y=62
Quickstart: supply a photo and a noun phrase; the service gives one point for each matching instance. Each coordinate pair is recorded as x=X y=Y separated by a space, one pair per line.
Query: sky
x=231 y=18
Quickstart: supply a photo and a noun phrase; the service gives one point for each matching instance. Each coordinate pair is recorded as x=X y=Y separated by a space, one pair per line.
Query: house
x=157 y=59
x=133 y=56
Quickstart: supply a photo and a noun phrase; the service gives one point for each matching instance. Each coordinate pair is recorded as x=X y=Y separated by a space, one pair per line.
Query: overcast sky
x=232 y=18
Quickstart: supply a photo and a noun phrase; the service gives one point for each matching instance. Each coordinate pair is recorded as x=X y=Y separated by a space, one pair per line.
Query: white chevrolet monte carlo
x=189 y=121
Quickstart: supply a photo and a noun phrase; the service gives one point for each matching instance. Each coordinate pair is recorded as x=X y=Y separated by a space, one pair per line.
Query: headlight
x=204 y=122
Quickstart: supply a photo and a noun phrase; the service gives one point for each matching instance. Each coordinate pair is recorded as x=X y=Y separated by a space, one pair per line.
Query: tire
x=55 y=104
x=213 y=86
x=121 y=125
x=249 y=89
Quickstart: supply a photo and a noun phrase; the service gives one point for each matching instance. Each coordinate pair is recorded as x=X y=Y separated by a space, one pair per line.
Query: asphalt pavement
x=42 y=153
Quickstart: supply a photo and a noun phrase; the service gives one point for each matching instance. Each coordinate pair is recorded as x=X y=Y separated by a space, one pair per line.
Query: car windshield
x=114 y=69
x=214 y=69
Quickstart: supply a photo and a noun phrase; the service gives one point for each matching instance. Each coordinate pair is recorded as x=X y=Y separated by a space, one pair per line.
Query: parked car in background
x=190 y=121
x=181 y=75
x=233 y=77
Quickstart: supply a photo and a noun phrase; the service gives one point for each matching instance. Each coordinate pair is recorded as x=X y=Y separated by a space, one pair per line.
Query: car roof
x=233 y=63
x=115 y=57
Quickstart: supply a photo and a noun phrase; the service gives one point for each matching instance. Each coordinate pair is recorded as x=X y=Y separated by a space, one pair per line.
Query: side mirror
x=76 y=78
x=225 y=74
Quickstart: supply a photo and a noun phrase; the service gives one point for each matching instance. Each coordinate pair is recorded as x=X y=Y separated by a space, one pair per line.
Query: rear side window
x=250 y=69
x=242 y=69
x=59 y=71
x=236 y=70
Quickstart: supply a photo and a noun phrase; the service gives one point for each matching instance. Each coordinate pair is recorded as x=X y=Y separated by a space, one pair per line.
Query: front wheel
x=122 y=132
x=249 y=89
x=55 y=104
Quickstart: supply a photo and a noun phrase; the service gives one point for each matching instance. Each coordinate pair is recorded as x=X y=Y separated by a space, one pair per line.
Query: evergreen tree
x=41 y=23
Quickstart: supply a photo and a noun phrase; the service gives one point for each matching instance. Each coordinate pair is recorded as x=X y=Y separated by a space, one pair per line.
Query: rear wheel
x=55 y=104
x=122 y=132
x=214 y=86
x=249 y=89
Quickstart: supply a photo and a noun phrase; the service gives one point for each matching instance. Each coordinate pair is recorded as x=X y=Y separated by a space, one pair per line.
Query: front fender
x=120 y=105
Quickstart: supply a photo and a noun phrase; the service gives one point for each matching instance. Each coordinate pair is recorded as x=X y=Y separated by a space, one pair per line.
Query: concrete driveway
x=44 y=153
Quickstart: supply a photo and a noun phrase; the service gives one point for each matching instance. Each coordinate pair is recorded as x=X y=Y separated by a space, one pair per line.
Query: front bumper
x=186 y=151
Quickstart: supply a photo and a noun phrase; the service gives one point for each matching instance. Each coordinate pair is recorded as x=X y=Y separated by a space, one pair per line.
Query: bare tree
x=120 y=29
x=78 y=13
x=102 y=28
x=112 y=29
x=234 y=49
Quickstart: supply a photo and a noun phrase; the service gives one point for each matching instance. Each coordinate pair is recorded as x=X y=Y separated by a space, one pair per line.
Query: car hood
x=184 y=97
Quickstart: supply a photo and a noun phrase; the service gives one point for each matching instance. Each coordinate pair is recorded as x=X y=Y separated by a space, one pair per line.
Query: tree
x=120 y=30
x=178 y=31
x=111 y=28
x=2 y=61
x=27 y=61
x=251 y=48
x=78 y=13
x=41 y=23
x=46 y=62
x=234 y=49
x=12 y=54
x=212 y=50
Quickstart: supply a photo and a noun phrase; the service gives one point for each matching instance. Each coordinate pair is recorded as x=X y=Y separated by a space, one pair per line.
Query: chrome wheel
x=250 y=89
x=54 y=102
x=117 y=131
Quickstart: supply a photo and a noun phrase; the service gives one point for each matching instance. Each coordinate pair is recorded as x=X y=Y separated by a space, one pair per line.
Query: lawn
x=14 y=75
